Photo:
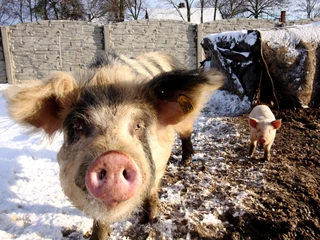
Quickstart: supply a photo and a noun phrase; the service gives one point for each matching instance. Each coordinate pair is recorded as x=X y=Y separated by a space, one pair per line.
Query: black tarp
x=263 y=71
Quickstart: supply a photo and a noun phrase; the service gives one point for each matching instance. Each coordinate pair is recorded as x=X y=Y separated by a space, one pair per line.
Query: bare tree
x=256 y=8
x=72 y=9
x=227 y=8
x=115 y=10
x=202 y=5
x=177 y=4
x=135 y=8
x=231 y=8
x=215 y=9
x=5 y=12
x=15 y=11
x=24 y=10
x=307 y=6
x=96 y=9
x=60 y=9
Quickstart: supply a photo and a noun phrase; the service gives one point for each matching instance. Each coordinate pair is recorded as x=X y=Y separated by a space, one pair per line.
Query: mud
x=223 y=194
x=288 y=206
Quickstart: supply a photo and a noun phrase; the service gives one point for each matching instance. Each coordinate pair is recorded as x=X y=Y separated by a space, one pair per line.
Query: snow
x=288 y=37
x=32 y=203
x=233 y=37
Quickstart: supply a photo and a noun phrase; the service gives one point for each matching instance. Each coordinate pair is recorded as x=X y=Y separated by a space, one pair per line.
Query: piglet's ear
x=253 y=122
x=176 y=94
x=41 y=105
x=276 y=124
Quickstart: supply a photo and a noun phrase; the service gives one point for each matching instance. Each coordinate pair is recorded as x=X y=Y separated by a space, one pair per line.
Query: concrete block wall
x=39 y=48
x=33 y=50
x=177 y=38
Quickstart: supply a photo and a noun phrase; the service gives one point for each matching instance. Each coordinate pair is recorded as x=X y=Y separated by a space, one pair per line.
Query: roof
x=172 y=14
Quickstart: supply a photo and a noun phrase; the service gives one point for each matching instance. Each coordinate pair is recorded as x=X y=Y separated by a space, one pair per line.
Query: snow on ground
x=32 y=204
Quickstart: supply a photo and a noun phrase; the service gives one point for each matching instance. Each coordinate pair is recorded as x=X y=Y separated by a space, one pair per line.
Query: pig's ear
x=253 y=122
x=41 y=105
x=176 y=94
x=276 y=124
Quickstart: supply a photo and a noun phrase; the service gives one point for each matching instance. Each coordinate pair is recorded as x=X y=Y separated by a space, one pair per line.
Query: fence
x=33 y=50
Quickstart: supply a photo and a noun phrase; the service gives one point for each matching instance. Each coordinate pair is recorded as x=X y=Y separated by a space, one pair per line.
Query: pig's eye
x=139 y=126
x=78 y=127
x=75 y=131
x=139 y=129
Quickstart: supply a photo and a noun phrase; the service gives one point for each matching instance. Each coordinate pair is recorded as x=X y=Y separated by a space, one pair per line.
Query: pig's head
x=264 y=131
x=118 y=131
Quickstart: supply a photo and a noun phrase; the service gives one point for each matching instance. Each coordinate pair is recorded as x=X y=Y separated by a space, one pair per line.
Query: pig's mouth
x=113 y=178
x=112 y=203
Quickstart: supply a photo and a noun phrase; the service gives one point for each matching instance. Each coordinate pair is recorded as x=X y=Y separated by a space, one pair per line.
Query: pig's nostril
x=102 y=174
x=125 y=174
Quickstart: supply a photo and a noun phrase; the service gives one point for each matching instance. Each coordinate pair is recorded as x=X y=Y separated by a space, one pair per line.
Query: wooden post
x=7 y=55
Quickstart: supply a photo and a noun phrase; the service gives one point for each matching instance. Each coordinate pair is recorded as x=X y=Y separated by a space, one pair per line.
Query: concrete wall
x=33 y=50
x=39 y=48
x=174 y=37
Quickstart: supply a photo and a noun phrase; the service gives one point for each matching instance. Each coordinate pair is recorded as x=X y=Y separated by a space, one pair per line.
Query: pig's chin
x=111 y=204
x=110 y=211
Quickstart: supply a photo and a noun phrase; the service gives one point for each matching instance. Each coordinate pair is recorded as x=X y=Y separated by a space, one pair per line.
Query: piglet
x=263 y=126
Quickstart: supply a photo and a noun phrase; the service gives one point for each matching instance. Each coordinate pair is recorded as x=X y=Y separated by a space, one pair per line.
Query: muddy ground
x=288 y=204
x=223 y=194
x=240 y=198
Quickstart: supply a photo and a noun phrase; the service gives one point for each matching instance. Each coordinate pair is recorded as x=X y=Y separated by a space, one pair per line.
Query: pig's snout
x=113 y=178
x=262 y=141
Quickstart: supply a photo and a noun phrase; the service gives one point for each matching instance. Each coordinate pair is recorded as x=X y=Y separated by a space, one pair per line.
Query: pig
x=119 y=122
x=263 y=127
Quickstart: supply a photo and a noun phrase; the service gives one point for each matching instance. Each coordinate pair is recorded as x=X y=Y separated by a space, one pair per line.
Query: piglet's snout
x=113 y=178
x=262 y=142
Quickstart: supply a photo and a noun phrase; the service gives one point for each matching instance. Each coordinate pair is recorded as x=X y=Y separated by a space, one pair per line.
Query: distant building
x=173 y=14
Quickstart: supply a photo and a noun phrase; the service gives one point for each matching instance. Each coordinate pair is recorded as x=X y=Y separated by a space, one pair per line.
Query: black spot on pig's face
x=76 y=127
x=102 y=109
x=103 y=119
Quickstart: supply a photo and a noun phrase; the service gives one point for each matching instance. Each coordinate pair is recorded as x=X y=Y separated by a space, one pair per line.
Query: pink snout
x=113 y=178
x=262 y=141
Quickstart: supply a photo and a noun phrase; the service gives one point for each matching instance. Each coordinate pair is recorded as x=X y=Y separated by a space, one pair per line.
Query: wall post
x=107 y=38
x=7 y=54
x=200 y=55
